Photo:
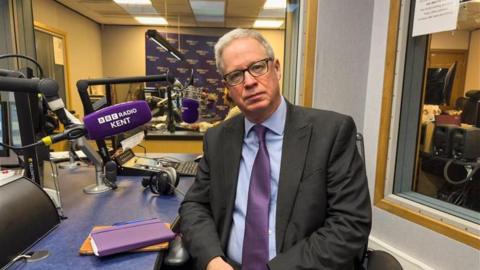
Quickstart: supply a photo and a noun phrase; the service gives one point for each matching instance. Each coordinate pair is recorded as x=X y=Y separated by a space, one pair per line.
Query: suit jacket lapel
x=232 y=151
x=295 y=144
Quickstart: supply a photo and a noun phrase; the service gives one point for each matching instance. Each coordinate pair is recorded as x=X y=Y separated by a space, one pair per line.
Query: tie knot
x=260 y=130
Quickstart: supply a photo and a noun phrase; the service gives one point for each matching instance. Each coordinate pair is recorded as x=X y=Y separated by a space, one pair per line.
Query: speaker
x=163 y=182
x=27 y=214
x=441 y=140
x=465 y=143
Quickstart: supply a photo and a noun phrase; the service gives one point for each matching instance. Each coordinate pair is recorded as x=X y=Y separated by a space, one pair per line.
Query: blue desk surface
x=130 y=201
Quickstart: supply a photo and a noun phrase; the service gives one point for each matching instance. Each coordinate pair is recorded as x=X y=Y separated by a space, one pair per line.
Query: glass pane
x=14 y=15
x=52 y=67
x=439 y=135
x=449 y=149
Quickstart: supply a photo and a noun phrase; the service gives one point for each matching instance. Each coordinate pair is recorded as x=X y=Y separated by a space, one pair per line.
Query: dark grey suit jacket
x=323 y=208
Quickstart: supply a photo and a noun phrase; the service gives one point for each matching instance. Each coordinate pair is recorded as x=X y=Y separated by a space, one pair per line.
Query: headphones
x=163 y=182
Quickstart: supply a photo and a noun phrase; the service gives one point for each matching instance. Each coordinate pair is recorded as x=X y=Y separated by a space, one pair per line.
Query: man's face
x=257 y=97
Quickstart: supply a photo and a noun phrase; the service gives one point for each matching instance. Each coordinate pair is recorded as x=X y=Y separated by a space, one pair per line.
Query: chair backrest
x=471 y=112
x=360 y=145
x=448 y=83
x=381 y=260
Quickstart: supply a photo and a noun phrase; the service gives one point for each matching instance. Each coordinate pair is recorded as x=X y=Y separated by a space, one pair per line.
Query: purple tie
x=255 y=241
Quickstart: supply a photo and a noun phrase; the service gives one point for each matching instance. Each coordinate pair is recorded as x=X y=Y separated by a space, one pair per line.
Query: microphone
x=116 y=119
x=189 y=110
x=111 y=174
x=109 y=121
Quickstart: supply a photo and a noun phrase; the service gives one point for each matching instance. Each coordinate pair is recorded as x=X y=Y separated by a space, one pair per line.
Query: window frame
x=445 y=224
x=38 y=26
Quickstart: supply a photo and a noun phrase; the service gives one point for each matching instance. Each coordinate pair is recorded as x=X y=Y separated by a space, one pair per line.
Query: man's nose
x=249 y=79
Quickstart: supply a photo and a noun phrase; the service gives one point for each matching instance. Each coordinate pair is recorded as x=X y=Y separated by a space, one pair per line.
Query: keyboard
x=187 y=168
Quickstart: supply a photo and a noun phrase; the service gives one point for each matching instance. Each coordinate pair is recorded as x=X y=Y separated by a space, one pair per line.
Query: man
x=315 y=208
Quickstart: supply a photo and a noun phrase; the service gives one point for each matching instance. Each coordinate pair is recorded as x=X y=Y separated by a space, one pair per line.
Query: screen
x=439 y=85
x=434 y=89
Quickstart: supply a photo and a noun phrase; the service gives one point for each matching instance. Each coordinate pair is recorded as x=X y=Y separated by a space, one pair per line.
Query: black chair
x=376 y=259
x=381 y=260
x=471 y=108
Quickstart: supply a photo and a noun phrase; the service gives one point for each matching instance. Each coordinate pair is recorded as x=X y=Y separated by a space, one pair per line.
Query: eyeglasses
x=256 y=69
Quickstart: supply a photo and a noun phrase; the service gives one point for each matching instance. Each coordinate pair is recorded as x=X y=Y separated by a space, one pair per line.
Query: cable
x=469 y=173
x=57 y=189
x=40 y=70
x=21 y=148
x=144 y=149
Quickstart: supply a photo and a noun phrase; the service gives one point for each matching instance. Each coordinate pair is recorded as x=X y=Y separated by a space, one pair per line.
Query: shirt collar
x=276 y=121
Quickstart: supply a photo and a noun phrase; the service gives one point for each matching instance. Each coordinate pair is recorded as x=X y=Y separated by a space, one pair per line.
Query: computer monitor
x=439 y=85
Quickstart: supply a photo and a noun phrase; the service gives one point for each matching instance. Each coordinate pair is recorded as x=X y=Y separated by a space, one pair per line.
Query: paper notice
x=132 y=141
x=432 y=16
x=58 y=51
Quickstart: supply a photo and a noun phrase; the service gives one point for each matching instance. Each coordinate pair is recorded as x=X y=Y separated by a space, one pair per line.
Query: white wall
x=417 y=246
x=451 y=40
x=84 y=46
x=342 y=56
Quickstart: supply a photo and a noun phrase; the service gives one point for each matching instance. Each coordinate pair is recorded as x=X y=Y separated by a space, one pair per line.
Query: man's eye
x=235 y=76
x=257 y=67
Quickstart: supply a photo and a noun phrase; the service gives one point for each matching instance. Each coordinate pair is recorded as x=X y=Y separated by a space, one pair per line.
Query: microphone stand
x=49 y=88
x=99 y=186
x=72 y=164
x=170 y=116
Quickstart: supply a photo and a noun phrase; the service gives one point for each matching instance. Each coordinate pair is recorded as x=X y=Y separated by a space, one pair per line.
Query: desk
x=178 y=142
x=129 y=201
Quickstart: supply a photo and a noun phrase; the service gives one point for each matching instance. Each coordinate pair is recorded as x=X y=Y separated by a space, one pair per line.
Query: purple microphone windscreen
x=189 y=110
x=115 y=119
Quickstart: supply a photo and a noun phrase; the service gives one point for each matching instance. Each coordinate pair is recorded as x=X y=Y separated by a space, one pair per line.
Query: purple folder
x=131 y=236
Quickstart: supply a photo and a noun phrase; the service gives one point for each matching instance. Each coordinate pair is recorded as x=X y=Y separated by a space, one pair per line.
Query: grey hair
x=226 y=39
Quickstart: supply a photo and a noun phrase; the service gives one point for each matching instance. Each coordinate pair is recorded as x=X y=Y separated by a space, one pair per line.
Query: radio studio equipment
x=29 y=118
x=109 y=127
x=441 y=140
x=155 y=36
x=128 y=116
x=116 y=119
x=88 y=107
x=160 y=178
x=164 y=181
x=26 y=216
x=190 y=110
x=465 y=143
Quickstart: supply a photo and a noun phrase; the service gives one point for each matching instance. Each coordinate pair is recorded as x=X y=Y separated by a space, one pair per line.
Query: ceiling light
x=149 y=20
x=208 y=11
x=268 y=23
x=275 y=4
x=133 y=2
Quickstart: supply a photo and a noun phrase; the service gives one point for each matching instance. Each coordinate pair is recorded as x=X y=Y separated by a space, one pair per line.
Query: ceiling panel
x=238 y=13
x=244 y=8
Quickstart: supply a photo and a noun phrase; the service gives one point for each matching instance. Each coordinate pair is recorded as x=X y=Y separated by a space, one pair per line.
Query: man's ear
x=276 y=66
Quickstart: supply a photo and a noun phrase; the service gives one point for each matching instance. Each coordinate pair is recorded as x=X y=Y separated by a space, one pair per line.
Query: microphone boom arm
x=49 y=88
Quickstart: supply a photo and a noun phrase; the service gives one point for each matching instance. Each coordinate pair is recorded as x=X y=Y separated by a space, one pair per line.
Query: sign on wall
x=432 y=16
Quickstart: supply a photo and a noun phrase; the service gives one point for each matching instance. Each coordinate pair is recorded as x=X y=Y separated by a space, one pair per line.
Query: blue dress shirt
x=274 y=142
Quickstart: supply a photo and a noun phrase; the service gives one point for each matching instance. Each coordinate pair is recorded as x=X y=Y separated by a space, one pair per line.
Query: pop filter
x=190 y=110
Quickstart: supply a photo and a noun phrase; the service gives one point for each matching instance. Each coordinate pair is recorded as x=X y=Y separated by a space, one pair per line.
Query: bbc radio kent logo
x=117 y=119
